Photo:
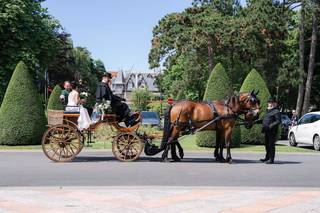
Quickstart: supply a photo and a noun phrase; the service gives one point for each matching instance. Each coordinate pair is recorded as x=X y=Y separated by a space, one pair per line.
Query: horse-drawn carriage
x=63 y=141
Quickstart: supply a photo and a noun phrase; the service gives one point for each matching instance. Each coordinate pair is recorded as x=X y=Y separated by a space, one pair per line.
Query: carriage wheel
x=127 y=147
x=61 y=143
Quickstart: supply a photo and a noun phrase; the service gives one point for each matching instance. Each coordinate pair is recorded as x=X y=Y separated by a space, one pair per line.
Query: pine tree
x=22 y=117
x=54 y=99
x=218 y=87
x=254 y=81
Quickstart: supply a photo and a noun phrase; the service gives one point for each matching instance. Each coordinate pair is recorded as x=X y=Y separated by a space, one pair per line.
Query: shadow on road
x=81 y=159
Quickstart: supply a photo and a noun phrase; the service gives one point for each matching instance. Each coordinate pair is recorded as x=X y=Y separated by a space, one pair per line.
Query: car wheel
x=316 y=142
x=292 y=140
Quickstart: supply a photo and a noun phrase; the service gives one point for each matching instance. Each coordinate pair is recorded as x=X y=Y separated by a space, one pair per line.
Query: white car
x=307 y=131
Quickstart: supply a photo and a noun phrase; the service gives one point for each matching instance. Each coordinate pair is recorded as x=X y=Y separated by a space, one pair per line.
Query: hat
x=271 y=100
x=107 y=74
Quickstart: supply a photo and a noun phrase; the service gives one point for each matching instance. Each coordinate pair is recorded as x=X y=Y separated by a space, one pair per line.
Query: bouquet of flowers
x=104 y=107
x=100 y=110
x=84 y=95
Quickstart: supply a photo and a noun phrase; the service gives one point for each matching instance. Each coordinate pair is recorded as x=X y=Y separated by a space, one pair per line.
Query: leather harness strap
x=213 y=109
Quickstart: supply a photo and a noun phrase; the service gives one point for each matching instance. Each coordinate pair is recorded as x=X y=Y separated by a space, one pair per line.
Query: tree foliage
x=22 y=118
x=213 y=31
x=28 y=33
x=141 y=98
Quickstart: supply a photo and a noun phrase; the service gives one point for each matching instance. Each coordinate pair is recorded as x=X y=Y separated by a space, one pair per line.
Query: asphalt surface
x=100 y=168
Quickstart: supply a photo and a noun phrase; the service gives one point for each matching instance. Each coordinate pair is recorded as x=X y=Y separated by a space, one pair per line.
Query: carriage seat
x=110 y=117
x=71 y=113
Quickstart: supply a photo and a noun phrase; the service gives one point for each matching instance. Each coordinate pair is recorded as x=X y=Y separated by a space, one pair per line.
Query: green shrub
x=54 y=99
x=158 y=107
x=208 y=138
x=236 y=137
x=254 y=81
x=22 y=118
x=141 y=99
x=218 y=87
x=279 y=132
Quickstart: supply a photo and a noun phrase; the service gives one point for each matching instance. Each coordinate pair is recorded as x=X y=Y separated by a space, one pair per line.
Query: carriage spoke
x=71 y=150
x=127 y=147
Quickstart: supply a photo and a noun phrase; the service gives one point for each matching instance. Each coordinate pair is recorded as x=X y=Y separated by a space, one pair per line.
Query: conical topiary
x=54 y=99
x=254 y=81
x=218 y=87
x=22 y=117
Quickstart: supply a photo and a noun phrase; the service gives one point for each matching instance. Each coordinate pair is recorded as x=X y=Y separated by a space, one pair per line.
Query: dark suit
x=121 y=109
x=270 y=124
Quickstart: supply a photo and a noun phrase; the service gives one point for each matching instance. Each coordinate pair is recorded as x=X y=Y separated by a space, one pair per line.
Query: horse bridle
x=250 y=98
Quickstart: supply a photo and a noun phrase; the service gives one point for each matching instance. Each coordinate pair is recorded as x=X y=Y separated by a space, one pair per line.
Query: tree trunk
x=313 y=47
x=301 y=61
x=210 y=54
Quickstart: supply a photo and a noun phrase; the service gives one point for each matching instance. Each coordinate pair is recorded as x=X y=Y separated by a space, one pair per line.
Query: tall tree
x=313 y=46
x=301 y=59
x=28 y=33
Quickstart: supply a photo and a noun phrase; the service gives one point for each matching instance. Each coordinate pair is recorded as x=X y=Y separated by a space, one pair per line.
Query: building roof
x=141 y=80
x=134 y=80
x=119 y=79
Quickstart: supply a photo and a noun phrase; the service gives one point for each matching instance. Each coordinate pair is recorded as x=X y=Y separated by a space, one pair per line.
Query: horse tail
x=151 y=149
x=167 y=129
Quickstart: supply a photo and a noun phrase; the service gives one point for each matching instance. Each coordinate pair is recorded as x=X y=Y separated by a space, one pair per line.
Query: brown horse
x=219 y=116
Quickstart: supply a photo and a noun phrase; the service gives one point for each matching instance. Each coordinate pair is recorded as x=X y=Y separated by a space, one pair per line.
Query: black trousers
x=121 y=110
x=270 y=143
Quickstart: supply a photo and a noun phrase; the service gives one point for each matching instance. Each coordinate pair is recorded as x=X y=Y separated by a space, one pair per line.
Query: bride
x=75 y=105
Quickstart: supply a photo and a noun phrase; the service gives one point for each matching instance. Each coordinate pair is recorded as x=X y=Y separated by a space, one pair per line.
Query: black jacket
x=271 y=120
x=104 y=93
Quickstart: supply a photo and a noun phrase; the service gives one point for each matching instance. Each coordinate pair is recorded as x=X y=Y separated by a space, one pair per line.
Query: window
x=306 y=119
x=315 y=118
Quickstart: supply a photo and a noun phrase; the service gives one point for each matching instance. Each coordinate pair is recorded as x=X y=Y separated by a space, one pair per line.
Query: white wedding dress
x=74 y=105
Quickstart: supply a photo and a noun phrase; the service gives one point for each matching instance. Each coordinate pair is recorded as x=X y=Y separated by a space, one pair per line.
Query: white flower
x=84 y=94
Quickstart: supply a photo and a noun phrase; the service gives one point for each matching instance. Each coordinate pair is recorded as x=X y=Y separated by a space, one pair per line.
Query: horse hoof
x=176 y=159
x=165 y=160
x=222 y=160
x=181 y=154
x=229 y=160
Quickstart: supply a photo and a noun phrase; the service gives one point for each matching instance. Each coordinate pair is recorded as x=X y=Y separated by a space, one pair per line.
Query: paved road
x=100 y=168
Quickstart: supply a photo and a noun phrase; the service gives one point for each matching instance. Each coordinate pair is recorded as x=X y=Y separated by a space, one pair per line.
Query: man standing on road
x=294 y=118
x=270 y=124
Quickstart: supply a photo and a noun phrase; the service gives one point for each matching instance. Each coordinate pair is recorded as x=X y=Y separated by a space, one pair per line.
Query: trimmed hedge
x=208 y=138
x=219 y=84
x=54 y=99
x=254 y=81
x=22 y=117
x=218 y=87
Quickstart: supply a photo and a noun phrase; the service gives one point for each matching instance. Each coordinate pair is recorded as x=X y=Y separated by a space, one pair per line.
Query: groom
x=118 y=106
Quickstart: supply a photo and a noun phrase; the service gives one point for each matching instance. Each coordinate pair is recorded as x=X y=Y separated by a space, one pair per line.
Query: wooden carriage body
x=63 y=140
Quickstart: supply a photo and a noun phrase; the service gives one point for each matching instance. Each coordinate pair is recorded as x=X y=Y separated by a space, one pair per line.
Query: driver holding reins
x=121 y=109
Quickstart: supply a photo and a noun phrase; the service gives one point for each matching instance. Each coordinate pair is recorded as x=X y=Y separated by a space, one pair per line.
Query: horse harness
x=190 y=127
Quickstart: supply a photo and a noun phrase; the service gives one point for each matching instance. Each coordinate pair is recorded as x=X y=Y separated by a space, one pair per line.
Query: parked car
x=306 y=131
x=285 y=123
x=150 y=118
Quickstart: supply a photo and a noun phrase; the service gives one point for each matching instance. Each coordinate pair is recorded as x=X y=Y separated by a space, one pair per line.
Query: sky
x=118 y=32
